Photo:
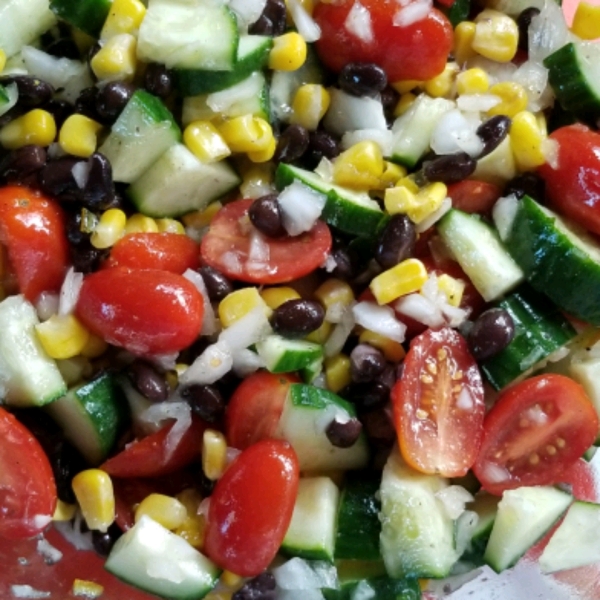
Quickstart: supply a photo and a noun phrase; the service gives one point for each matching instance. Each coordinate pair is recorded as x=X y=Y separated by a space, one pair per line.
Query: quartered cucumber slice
x=283 y=355
x=87 y=15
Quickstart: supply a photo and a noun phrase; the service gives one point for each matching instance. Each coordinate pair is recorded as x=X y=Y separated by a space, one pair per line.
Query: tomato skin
x=226 y=247
x=573 y=187
x=32 y=227
x=438 y=371
x=417 y=51
x=474 y=196
x=255 y=408
x=166 y=251
x=146 y=311
x=27 y=488
x=527 y=419
x=251 y=508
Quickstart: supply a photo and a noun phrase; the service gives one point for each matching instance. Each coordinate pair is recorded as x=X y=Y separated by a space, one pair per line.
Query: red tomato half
x=573 y=187
x=27 y=489
x=535 y=433
x=251 y=508
x=167 y=251
x=226 y=247
x=146 y=311
x=255 y=408
x=32 y=228
x=438 y=404
x=416 y=51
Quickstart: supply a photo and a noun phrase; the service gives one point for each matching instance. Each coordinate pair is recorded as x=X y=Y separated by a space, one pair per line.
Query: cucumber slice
x=574 y=74
x=479 y=251
x=417 y=535
x=311 y=533
x=189 y=34
x=87 y=15
x=22 y=22
x=524 y=516
x=28 y=376
x=153 y=559
x=282 y=355
x=142 y=133
x=348 y=211
x=558 y=259
x=540 y=330
x=9 y=94
x=252 y=55
x=307 y=413
x=377 y=588
x=575 y=542
x=178 y=183
x=486 y=508
x=91 y=416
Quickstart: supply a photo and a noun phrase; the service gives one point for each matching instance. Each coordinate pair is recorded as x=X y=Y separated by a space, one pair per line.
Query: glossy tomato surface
x=146 y=311
x=227 y=247
x=438 y=404
x=535 y=432
x=474 y=196
x=417 y=51
x=251 y=508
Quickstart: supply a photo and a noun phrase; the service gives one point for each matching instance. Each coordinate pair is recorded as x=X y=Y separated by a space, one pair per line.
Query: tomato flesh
x=535 y=432
x=474 y=196
x=438 y=404
x=251 y=508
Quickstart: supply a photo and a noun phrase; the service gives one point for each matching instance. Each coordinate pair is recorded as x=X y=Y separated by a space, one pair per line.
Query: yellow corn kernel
x=116 y=60
x=170 y=226
x=400 y=199
x=230 y=579
x=392 y=173
x=276 y=296
x=526 y=141
x=87 y=589
x=320 y=335
x=403 y=87
x=204 y=141
x=139 y=223
x=409 y=183
x=191 y=499
x=453 y=288
x=430 y=198
x=266 y=154
x=35 y=127
x=94 y=347
x=192 y=530
x=404 y=103
x=405 y=278
x=360 y=167
x=257 y=180
x=239 y=303
x=334 y=292
x=337 y=372
x=202 y=218
x=472 y=81
x=94 y=492
x=496 y=36
x=214 y=454
x=64 y=511
x=2 y=60
x=110 y=228
x=393 y=351
x=288 y=52
x=246 y=133
x=513 y=99
x=540 y=118
x=62 y=336
x=464 y=34
x=309 y=105
x=79 y=135
x=442 y=85
x=166 y=510
x=586 y=21
x=124 y=16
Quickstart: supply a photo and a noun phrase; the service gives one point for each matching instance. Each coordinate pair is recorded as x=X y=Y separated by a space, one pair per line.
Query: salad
x=298 y=299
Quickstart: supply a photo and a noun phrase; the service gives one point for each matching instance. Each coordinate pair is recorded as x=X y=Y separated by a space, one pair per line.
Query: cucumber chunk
x=87 y=15
x=9 y=94
x=22 y=22
x=485 y=506
x=283 y=355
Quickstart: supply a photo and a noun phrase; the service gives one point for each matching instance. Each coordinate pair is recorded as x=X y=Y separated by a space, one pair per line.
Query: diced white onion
x=435 y=216
x=341 y=332
x=379 y=319
x=548 y=32
x=455 y=316
x=384 y=138
x=81 y=172
x=325 y=169
x=420 y=309
x=456 y=132
x=358 y=22
x=71 y=531
x=453 y=499
x=298 y=574
x=210 y=366
x=246 y=362
x=232 y=261
x=46 y=305
x=258 y=254
x=307 y=27
x=533 y=76
x=253 y=327
x=69 y=292
x=550 y=149
x=231 y=454
x=164 y=411
x=300 y=206
x=48 y=552
x=412 y=13
x=495 y=473
x=477 y=102
x=26 y=591
x=504 y=213
x=210 y=324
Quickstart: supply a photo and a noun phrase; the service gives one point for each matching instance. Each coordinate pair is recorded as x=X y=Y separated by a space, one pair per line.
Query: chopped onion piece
x=48 y=552
x=259 y=253
x=548 y=32
x=307 y=27
x=384 y=138
x=46 y=305
x=325 y=169
x=421 y=309
x=162 y=411
x=453 y=499
x=298 y=574
x=379 y=319
x=26 y=591
x=456 y=132
x=412 y=13
x=341 y=332
x=246 y=362
x=210 y=324
x=247 y=11
x=251 y=328
x=358 y=22
x=81 y=172
x=71 y=531
x=495 y=473
x=477 y=102
x=300 y=206
x=69 y=292
x=210 y=366
x=435 y=216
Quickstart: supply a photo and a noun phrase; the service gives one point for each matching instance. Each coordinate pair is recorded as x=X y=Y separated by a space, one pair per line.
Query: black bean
x=378 y=427
x=66 y=463
x=85 y=104
x=297 y=317
x=526 y=184
x=22 y=162
x=63 y=48
x=265 y=215
x=60 y=110
x=368 y=395
x=87 y=259
x=261 y=587
x=389 y=99
x=272 y=20
x=148 y=381
x=345 y=267
x=112 y=98
x=343 y=434
x=493 y=132
x=492 y=331
x=262 y=26
x=450 y=168
x=98 y=192
x=56 y=178
x=104 y=541
x=320 y=145
x=32 y=90
x=206 y=401
x=362 y=79
x=366 y=363
x=217 y=285
x=158 y=80
x=396 y=242
x=523 y=23
x=292 y=144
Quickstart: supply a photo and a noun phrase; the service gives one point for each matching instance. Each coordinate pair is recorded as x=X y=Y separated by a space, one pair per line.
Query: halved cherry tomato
x=27 y=488
x=152 y=457
x=166 y=251
x=416 y=51
x=535 y=433
x=251 y=508
x=573 y=180
x=146 y=311
x=32 y=227
x=255 y=408
x=226 y=247
x=438 y=404
x=474 y=196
